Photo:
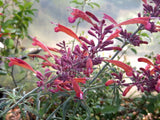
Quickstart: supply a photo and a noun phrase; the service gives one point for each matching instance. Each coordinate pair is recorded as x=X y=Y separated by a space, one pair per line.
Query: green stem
x=12 y=75
x=38 y=103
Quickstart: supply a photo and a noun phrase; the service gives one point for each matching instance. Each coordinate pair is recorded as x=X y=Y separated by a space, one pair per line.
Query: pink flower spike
x=109 y=82
x=109 y=18
x=141 y=20
x=67 y=31
x=114 y=35
x=127 y=68
x=19 y=62
x=157 y=87
x=41 y=45
x=76 y=13
x=145 y=60
x=1 y=13
x=127 y=90
x=77 y=89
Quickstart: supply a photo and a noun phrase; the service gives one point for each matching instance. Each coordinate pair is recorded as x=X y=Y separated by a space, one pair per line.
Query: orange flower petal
x=19 y=62
x=127 y=90
x=109 y=82
x=53 y=49
x=145 y=60
x=39 y=56
x=145 y=1
x=41 y=45
x=67 y=31
x=141 y=20
x=122 y=65
x=77 y=89
x=109 y=18
x=80 y=80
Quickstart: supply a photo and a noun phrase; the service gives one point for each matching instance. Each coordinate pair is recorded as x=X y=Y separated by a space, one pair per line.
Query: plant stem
x=38 y=103
x=12 y=75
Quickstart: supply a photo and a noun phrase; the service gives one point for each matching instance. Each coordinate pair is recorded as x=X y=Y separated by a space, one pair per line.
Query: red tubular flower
x=127 y=90
x=67 y=31
x=79 y=14
x=41 y=45
x=77 y=89
x=109 y=82
x=19 y=62
x=89 y=65
x=141 y=20
x=145 y=1
x=39 y=56
x=114 y=35
x=1 y=13
x=53 y=49
x=80 y=80
x=113 y=48
x=127 y=68
x=153 y=70
x=109 y=18
x=145 y=60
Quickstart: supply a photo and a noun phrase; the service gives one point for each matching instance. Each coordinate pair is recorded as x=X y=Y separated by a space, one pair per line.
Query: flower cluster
x=73 y=67
x=151 y=9
x=145 y=79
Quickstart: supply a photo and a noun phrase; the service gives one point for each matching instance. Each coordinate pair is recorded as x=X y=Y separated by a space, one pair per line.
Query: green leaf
x=9 y=43
x=28 y=4
x=95 y=4
x=1 y=3
x=76 y=2
x=145 y=35
x=134 y=50
x=7 y=23
x=91 y=5
x=65 y=107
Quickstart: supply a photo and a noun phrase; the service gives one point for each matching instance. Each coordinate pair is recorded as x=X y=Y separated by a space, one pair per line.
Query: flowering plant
x=71 y=71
